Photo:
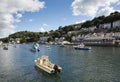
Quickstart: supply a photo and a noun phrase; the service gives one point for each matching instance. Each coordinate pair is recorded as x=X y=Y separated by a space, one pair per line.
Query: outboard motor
x=56 y=69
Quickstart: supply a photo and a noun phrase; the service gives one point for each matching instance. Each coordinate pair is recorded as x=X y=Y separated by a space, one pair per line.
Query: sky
x=46 y=15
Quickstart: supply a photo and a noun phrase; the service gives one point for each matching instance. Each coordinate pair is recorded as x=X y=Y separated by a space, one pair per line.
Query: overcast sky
x=46 y=15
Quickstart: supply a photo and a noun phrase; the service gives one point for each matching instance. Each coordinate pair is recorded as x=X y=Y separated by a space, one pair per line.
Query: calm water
x=101 y=64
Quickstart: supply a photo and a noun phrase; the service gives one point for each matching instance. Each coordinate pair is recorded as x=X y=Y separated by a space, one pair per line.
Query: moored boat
x=35 y=48
x=81 y=47
x=5 y=47
x=47 y=46
x=62 y=45
x=43 y=63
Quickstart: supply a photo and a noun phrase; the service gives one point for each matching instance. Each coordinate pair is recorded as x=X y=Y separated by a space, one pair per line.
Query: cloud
x=42 y=29
x=82 y=21
x=45 y=25
x=18 y=16
x=90 y=7
x=105 y=11
x=12 y=10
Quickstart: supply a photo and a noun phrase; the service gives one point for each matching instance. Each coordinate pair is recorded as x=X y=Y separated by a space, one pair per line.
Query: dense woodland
x=27 y=36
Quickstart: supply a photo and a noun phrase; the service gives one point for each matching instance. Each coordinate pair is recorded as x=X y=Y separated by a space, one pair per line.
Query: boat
x=62 y=45
x=47 y=46
x=5 y=47
x=43 y=63
x=35 y=48
x=81 y=47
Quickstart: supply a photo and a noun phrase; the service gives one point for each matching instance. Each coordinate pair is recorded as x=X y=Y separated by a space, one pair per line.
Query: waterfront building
x=116 y=24
x=61 y=39
x=105 y=25
x=117 y=35
x=44 y=39
x=17 y=40
x=91 y=29
x=56 y=39
x=95 y=39
x=73 y=38
x=99 y=40
x=77 y=38
x=83 y=29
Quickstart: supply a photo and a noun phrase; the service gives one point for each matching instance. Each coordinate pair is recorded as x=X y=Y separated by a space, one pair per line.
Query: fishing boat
x=81 y=47
x=43 y=63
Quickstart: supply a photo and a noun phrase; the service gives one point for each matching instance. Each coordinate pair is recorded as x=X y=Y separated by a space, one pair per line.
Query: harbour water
x=100 y=64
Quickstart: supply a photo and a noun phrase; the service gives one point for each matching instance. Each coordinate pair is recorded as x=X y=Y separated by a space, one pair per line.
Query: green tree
x=87 y=24
x=23 y=40
x=5 y=40
x=56 y=34
x=68 y=37
x=50 y=39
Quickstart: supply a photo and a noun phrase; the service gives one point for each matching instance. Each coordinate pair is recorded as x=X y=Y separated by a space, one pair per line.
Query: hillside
x=70 y=30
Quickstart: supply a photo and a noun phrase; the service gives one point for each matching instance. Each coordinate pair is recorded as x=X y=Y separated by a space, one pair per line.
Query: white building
x=17 y=40
x=105 y=25
x=44 y=39
x=117 y=35
x=61 y=39
x=108 y=25
x=73 y=38
x=116 y=24
x=99 y=39
x=77 y=38
x=91 y=29
x=96 y=39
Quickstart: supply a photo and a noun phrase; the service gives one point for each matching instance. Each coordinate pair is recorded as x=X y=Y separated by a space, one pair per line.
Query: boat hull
x=78 y=48
x=5 y=48
x=34 y=50
x=44 y=69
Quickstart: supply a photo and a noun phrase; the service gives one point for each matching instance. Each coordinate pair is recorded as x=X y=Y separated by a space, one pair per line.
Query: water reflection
x=36 y=55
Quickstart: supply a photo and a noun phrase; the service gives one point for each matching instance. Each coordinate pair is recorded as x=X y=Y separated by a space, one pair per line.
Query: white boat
x=43 y=63
x=47 y=46
x=81 y=47
x=62 y=45
x=35 y=48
